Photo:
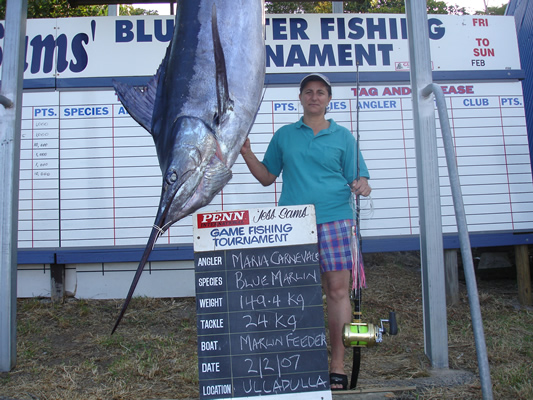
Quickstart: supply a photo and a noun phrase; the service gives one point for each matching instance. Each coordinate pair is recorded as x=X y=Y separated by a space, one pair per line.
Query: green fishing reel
x=360 y=334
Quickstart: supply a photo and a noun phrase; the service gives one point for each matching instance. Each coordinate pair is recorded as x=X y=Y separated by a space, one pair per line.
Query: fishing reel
x=360 y=334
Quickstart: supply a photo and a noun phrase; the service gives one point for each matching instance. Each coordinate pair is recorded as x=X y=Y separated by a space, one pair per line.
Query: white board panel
x=167 y=279
x=103 y=179
x=33 y=281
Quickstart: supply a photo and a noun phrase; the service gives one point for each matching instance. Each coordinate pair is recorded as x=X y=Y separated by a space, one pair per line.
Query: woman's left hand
x=360 y=186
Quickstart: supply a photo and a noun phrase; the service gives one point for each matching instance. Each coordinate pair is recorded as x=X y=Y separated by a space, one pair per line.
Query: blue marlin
x=200 y=105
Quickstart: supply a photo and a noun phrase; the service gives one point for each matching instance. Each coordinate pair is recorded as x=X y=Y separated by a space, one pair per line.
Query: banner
x=99 y=47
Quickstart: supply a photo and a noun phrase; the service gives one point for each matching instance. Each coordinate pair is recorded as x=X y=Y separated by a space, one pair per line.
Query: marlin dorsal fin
x=223 y=99
x=139 y=102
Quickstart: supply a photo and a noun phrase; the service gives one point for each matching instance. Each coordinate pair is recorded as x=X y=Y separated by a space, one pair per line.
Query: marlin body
x=200 y=105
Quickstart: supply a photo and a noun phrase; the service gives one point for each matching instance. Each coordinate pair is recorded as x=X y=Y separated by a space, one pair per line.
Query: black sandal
x=338 y=379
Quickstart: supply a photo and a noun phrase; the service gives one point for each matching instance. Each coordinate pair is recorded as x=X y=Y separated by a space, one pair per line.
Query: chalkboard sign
x=259 y=305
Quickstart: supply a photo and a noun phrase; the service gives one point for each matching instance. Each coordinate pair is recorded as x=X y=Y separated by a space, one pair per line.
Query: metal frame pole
x=10 y=122
x=427 y=171
x=464 y=239
x=337 y=7
x=113 y=10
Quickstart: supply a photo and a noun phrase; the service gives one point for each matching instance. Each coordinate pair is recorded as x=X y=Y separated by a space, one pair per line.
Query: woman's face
x=315 y=98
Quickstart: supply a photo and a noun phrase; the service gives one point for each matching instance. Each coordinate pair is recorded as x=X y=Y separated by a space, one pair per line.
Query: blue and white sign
x=96 y=47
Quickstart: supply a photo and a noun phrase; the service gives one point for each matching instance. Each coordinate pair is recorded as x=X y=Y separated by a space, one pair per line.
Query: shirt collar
x=332 y=125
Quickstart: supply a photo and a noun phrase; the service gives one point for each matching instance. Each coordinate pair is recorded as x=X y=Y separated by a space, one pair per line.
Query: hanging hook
x=5 y=101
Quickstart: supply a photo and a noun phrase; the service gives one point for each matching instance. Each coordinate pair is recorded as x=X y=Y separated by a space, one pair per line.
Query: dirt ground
x=65 y=351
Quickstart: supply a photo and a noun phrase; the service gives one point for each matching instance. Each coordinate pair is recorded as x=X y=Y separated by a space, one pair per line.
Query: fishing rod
x=356 y=236
x=359 y=334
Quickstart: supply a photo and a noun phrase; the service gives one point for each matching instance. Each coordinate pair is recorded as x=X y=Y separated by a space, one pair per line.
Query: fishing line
x=357 y=267
x=366 y=206
x=358 y=273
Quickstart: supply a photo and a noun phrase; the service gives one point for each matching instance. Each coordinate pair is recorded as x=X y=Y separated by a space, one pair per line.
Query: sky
x=470 y=5
x=475 y=5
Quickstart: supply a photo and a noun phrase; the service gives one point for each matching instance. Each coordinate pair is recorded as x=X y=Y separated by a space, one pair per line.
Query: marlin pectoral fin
x=223 y=99
x=217 y=174
x=139 y=103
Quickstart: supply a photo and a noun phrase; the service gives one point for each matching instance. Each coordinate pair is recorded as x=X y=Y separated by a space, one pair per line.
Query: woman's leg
x=337 y=287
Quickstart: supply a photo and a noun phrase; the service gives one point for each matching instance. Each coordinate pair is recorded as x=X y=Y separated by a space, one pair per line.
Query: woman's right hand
x=246 y=147
x=256 y=167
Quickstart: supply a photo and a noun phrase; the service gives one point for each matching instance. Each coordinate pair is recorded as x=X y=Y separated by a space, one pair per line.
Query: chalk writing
x=275 y=278
x=260 y=316
x=246 y=260
x=287 y=385
x=250 y=342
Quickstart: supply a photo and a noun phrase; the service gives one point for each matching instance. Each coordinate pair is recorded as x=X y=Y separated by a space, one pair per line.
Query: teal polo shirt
x=317 y=169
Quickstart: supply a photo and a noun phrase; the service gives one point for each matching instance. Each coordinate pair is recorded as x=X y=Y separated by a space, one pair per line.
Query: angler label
x=260 y=314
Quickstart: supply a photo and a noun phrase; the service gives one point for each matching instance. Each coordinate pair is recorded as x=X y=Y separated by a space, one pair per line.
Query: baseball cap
x=315 y=77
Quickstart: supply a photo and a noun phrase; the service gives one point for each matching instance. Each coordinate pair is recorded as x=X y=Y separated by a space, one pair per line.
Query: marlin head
x=193 y=172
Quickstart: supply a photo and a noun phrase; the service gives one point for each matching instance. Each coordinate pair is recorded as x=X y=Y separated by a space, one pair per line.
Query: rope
x=160 y=232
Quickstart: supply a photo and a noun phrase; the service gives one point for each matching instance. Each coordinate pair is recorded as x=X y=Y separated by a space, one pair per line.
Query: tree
x=298 y=7
x=493 y=10
x=361 y=6
x=62 y=9
x=128 y=9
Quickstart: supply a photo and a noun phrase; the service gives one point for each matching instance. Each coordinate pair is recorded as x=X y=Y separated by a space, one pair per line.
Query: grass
x=66 y=352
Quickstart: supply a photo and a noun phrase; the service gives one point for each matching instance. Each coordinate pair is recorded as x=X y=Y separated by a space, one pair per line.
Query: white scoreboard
x=90 y=180
x=89 y=174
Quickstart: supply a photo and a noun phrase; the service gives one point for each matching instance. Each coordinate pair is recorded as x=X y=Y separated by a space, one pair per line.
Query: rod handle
x=393 y=326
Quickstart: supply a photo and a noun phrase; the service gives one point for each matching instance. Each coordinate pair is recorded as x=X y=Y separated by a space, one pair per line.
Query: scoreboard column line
x=406 y=169
x=32 y=174
x=506 y=161
x=452 y=126
x=59 y=207
x=273 y=132
x=113 y=173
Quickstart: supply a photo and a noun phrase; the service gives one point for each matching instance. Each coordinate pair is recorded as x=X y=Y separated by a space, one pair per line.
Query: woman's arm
x=256 y=167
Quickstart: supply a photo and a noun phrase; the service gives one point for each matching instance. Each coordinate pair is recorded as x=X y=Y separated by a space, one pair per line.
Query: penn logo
x=226 y=218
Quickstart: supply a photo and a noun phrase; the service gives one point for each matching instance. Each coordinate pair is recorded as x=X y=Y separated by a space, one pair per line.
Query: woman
x=319 y=163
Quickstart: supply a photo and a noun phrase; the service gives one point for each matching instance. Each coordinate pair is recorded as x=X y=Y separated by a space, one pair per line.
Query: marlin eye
x=172 y=177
